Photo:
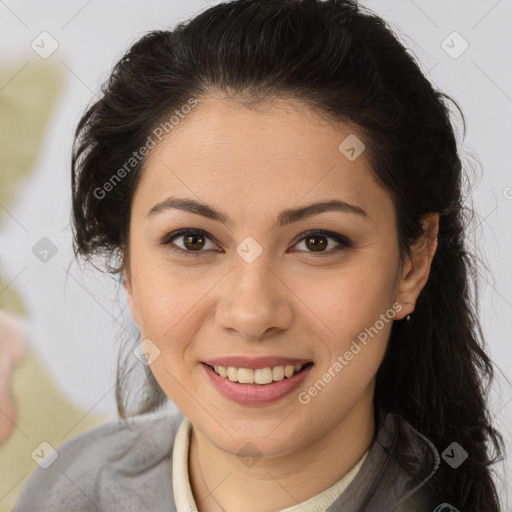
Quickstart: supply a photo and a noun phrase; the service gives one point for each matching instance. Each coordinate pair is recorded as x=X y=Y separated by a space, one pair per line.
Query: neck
x=221 y=483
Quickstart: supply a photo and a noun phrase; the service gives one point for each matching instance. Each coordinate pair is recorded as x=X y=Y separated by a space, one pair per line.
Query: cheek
x=355 y=316
x=351 y=298
x=173 y=306
x=168 y=306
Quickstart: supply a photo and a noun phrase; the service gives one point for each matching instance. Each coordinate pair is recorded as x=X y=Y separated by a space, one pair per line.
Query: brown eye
x=316 y=243
x=194 y=242
x=188 y=242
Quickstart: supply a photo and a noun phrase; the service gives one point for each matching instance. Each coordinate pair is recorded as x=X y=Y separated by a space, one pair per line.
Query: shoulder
x=120 y=465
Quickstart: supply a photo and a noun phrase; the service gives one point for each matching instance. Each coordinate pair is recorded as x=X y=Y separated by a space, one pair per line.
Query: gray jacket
x=127 y=467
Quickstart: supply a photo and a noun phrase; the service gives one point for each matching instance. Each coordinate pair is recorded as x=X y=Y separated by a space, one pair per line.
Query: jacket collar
x=400 y=461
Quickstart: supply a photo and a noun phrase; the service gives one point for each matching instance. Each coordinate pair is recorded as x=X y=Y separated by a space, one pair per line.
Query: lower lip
x=256 y=394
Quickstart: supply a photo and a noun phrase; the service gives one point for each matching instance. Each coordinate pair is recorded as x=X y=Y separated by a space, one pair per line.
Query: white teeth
x=258 y=376
x=278 y=373
x=263 y=376
x=245 y=376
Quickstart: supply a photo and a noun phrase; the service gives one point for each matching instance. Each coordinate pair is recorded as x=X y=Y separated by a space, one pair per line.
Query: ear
x=416 y=269
x=127 y=283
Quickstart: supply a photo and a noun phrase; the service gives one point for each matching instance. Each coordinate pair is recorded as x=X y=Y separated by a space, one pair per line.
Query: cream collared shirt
x=184 y=498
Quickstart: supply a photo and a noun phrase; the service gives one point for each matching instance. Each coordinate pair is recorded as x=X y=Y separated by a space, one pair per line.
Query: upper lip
x=254 y=362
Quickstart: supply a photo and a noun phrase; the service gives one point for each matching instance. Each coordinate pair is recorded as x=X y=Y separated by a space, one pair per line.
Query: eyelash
x=167 y=241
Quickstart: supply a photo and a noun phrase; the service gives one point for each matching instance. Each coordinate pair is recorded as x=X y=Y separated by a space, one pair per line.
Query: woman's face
x=251 y=283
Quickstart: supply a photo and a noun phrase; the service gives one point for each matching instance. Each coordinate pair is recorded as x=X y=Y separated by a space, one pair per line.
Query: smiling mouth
x=260 y=376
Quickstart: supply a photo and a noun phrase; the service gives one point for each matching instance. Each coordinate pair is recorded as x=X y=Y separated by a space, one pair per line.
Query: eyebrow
x=285 y=218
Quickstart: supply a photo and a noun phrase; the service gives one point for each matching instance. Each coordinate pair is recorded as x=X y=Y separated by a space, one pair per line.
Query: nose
x=254 y=301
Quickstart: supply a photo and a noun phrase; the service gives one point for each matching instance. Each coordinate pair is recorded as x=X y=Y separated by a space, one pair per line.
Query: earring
x=408 y=318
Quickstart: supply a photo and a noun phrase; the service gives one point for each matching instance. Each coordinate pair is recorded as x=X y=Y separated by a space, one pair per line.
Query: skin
x=291 y=301
x=12 y=351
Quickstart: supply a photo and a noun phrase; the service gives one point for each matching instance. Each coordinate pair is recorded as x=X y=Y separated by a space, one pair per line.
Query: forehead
x=279 y=153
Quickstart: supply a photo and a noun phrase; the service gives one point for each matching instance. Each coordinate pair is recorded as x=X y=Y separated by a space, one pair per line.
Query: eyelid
x=342 y=240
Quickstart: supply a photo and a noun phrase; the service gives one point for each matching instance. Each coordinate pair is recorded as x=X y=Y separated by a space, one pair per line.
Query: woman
x=278 y=186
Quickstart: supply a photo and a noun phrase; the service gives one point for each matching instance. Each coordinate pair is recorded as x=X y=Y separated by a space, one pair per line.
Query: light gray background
x=75 y=322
